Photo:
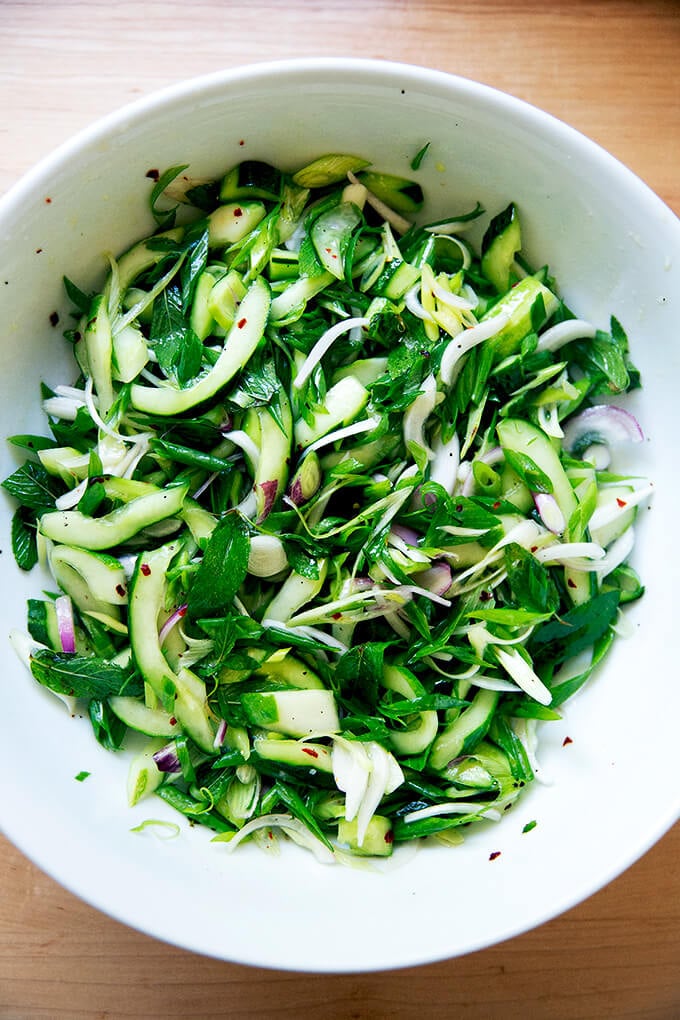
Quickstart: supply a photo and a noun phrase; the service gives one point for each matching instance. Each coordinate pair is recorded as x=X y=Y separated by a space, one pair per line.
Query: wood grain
x=609 y=69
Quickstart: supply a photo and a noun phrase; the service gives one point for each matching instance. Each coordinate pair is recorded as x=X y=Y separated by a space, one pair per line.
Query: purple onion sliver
x=609 y=423
x=166 y=759
x=437 y=578
x=171 y=621
x=221 y=733
x=408 y=535
x=549 y=512
x=65 y=624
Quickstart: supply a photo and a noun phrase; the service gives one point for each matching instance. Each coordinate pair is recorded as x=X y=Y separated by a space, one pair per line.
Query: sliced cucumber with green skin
x=99 y=348
x=294 y=593
x=140 y=257
x=130 y=353
x=138 y=717
x=230 y=223
x=276 y=440
x=224 y=298
x=295 y=713
x=396 y=278
x=240 y=343
x=290 y=671
x=201 y=319
x=366 y=370
x=608 y=533
x=147 y=599
x=399 y=193
x=522 y=437
x=289 y=304
x=341 y=405
x=420 y=732
x=500 y=244
x=116 y=527
x=378 y=840
x=96 y=582
x=520 y=304
x=284 y=264
x=191 y=709
x=252 y=179
x=465 y=732
x=65 y=462
x=331 y=233
x=144 y=776
x=305 y=754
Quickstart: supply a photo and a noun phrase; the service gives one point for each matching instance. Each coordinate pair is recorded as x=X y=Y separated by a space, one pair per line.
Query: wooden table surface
x=610 y=70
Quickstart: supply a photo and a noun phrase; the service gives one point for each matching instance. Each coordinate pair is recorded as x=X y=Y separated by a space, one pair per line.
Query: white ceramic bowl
x=614 y=247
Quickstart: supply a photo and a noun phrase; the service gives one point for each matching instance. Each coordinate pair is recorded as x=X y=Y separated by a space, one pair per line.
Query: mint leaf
x=222 y=569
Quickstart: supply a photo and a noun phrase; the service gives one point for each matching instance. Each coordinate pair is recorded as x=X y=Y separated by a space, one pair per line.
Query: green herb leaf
x=24 y=545
x=575 y=630
x=79 y=676
x=222 y=570
x=419 y=157
x=33 y=486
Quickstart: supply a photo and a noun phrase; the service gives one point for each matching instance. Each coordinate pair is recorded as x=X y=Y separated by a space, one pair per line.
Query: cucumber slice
x=465 y=732
x=147 y=598
x=201 y=318
x=305 y=754
x=191 y=709
x=342 y=404
x=331 y=233
x=144 y=776
x=396 y=278
x=116 y=527
x=529 y=305
x=130 y=354
x=137 y=716
x=523 y=437
x=241 y=342
x=230 y=223
x=290 y=303
x=399 y=193
x=500 y=244
x=421 y=731
x=252 y=179
x=378 y=839
x=295 y=713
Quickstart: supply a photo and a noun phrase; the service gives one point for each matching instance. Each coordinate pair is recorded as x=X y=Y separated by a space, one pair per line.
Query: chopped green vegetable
x=312 y=519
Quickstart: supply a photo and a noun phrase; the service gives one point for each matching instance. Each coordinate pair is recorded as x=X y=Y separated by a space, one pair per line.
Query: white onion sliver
x=549 y=512
x=469 y=339
x=445 y=462
x=355 y=429
x=414 y=305
x=522 y=673
x=244 y=442
x=563 y=333
x=322 y=345
x=292 y=827
x=606 y=514
x=417 y=414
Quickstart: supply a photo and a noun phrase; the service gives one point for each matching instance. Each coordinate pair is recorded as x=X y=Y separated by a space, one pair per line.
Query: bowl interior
x=613 y=248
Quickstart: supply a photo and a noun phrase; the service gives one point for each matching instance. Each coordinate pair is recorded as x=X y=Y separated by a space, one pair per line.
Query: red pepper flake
x=567 y=740
x=494 y=855
x=182 y=611
x=54 y=319
x=153 y=174
x=389 y=837
x=621 y=502
x=238 y=211
x=120 y=590
x=242 y=142
x=48 y=200
x=534 y=549
x=571 y=583
x=310 y=751
x=241 y=323
x=173 y=721
x=328 y=251
x=38 y=250
x=496 y=505
x=145 y=569
x=270 y=833
x=484 y=596
x=337 y=616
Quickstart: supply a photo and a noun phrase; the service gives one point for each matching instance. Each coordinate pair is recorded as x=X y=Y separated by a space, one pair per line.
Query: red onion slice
x=65 y=624
x=603 y=423
x=166 y=759
x=549 y=512
x=171 y=621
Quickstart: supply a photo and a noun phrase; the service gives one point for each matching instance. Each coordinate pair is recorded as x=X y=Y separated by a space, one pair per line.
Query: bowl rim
x=381 y=72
